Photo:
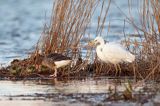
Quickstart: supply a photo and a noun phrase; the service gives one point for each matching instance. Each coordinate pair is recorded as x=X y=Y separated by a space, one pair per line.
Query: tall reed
x=68 y=24
x=148 y=48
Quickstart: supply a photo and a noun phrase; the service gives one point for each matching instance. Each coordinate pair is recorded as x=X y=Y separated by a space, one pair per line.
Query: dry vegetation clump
x=150 y=52
x=147 y=49
x=67 y=27
x=68 y=24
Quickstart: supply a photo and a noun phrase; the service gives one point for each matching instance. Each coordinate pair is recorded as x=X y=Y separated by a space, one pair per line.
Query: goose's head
x=97 y=41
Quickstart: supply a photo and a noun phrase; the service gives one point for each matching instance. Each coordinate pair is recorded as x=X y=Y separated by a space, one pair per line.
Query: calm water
x=84 y=92
x=21 y=22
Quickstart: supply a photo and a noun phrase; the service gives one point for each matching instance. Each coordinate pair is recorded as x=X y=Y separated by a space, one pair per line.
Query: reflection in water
x=12 y=88
x=27 y=103
x=74 y=92
x=50 y=92
x=86 y=86
x=90 y=85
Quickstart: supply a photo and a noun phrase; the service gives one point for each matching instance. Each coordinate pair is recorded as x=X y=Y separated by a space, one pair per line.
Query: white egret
x=112 y=52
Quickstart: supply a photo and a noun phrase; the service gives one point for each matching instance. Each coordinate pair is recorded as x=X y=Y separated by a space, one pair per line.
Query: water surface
x=84 y=92
x=21 y=26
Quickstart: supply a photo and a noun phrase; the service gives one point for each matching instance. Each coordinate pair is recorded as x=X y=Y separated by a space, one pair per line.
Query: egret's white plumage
x=112 y=52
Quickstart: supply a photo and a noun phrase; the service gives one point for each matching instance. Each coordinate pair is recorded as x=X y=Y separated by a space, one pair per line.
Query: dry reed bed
x=148 y=49
x=68 y=24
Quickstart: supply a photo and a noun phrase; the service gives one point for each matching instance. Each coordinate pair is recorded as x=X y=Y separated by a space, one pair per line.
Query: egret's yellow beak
x=91 y=43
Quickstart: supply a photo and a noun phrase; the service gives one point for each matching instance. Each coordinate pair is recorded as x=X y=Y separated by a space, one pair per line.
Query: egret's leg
x=115 y=65
x=110 y=68
x=119 y=69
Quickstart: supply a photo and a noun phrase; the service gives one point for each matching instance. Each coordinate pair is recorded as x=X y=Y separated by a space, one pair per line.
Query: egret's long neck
x=99 y=50
x=100 y=45
x=102 y=42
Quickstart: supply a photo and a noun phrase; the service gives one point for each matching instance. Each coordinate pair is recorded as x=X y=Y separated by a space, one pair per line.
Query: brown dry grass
x=147 y=48
x=68 y=24
x=69 y=21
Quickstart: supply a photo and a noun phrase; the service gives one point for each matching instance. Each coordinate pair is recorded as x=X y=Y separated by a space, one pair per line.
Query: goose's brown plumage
x=54 y=61
x=57 y=57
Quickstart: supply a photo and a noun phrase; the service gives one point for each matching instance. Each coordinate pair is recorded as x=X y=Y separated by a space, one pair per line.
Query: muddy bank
x=26 y=69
